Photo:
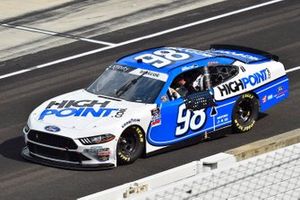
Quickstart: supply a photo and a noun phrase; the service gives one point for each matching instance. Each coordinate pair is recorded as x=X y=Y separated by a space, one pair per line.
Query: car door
x=174 y=122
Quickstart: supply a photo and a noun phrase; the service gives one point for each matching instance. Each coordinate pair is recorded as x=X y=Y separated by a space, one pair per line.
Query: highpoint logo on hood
x=79 y=103
x=80 y=108
x=243 y=83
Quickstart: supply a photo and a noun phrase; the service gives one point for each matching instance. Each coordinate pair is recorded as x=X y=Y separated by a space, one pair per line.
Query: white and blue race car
x=154 y=99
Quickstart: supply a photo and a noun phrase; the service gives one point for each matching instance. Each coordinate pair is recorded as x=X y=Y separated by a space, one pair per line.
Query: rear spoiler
x=244 y=49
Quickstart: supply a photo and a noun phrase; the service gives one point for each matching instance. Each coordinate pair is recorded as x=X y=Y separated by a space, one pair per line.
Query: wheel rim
x=127 y=144
x=244 y=111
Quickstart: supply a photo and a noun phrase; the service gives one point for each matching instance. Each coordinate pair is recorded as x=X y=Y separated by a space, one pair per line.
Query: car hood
x=80 y=111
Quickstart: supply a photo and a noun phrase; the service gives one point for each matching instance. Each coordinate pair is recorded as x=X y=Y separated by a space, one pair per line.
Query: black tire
x=245 y=113
x=130 y=145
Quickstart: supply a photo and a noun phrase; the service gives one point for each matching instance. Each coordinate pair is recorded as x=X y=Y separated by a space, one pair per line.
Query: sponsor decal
x=270 y=97
x=120 y=112
x=264 y=99
x=103 y=154
x=185 y=68
x=281 y=92
x=244 y=83
x=81 y=108
x=131 y=121
x=267 y=98
x=155 y=112
x=223 y=118
x=120 y=68
x=78 y=112
x=193 y=51
x=246 y=56
x=149 y=73
x=156 y=117
x=213 y=63
x=79 y=104
x=155 y=122
x=52 y=128
x=100 y=153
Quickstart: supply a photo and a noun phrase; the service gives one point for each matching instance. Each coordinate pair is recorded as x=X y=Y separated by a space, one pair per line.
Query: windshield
x=127 y=83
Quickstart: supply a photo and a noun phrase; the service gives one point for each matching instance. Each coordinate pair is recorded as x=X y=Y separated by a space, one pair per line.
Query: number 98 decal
x=188 y=120
x=162 y=58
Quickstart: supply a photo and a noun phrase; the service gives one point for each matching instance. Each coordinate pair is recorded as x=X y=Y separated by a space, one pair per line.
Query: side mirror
x=200 y=100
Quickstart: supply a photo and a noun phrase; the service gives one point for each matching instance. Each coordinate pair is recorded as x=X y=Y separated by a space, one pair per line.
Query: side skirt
x=194 y=140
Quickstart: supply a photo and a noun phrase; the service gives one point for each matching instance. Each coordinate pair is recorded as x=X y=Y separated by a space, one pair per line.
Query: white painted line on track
x=199 y=22
x=97 y=41
x=140 y=38
x=36 y=30
x=292 y=69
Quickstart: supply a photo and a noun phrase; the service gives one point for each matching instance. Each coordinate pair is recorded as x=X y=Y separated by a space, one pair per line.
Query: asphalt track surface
x=274 y=28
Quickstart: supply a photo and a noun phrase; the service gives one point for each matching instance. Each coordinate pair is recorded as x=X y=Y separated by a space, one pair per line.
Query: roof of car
x=135 y=60
x=165 y=59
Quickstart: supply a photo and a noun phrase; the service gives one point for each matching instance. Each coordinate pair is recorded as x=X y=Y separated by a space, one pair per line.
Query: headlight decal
x=97 y=139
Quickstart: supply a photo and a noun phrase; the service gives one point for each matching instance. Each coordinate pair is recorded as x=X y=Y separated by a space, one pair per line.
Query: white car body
x=75 y=127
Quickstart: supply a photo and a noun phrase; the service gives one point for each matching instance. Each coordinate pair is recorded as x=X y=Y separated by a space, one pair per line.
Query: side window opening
x=200 y=80
x=187 y=83
x=222 y=73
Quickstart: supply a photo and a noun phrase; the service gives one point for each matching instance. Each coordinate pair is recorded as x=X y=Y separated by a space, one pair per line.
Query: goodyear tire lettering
x=242 y=123
x=135 y=135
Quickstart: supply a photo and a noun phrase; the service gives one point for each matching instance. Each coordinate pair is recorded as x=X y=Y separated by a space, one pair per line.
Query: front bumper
x=63 y=152
x=62 y=164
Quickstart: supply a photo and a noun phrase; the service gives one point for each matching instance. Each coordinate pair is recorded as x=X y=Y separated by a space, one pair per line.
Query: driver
x=179 y=88
x=199 y=83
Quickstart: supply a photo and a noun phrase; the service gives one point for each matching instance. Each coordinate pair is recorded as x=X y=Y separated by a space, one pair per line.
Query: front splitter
x=28 y=156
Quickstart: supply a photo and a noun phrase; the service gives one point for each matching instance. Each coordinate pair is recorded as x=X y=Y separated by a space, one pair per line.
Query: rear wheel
x=130 y=145
x=245 y=113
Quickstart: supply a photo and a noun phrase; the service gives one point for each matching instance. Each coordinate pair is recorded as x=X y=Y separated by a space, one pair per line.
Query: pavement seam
x=57 y=34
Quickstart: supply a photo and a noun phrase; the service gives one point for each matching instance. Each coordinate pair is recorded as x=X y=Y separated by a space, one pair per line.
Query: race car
x=152 y=100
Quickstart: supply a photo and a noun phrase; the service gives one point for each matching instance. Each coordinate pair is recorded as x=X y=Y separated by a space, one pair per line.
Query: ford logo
x=52 y=128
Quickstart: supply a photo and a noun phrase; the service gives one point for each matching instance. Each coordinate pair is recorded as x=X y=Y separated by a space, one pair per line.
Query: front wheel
x=130 y=145
x=245 y=113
